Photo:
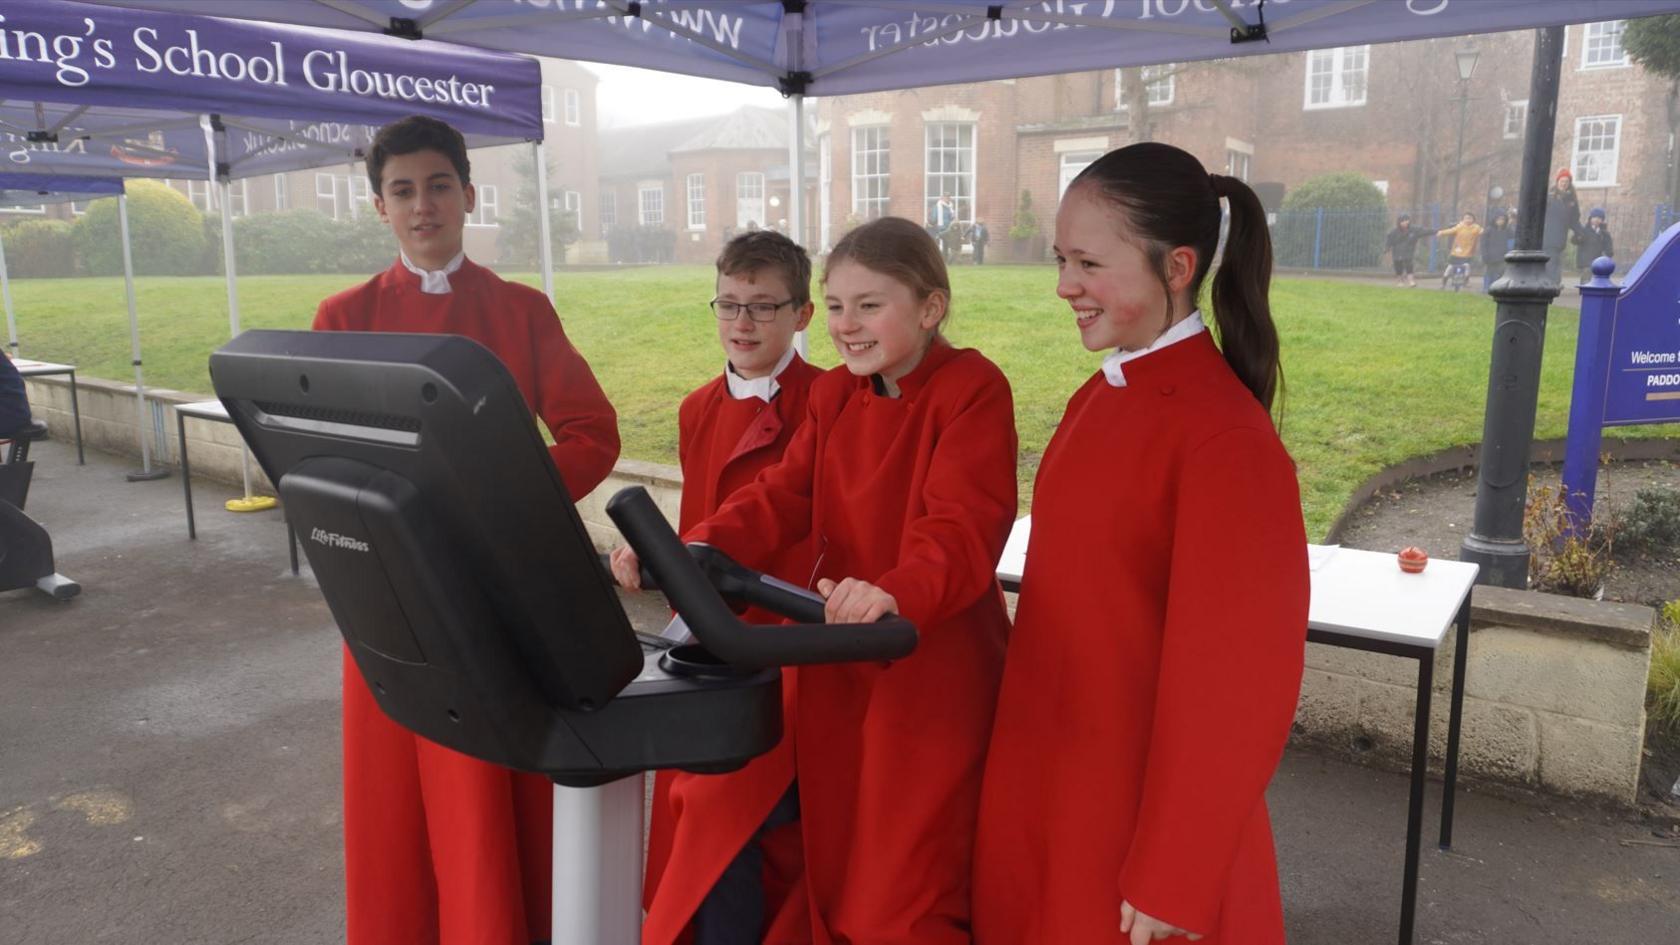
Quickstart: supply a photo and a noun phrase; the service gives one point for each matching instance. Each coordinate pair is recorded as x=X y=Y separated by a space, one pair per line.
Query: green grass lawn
x=1374 y=374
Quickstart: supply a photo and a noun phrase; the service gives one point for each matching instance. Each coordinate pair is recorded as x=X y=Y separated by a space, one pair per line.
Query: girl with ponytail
x=1153 y=669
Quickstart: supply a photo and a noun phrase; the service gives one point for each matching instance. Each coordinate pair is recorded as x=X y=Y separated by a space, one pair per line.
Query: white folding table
x=29 y=368
x=214 y=411
x=1363 y=601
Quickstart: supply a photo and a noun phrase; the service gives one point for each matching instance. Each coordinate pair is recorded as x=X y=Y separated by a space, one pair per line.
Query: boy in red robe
x=723 y=850
x=439 y=848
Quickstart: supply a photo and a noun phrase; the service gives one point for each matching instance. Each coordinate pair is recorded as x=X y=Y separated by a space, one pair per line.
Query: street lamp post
x=1466 y=69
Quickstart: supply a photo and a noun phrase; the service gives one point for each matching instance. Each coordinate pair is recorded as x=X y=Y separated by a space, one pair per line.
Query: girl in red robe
x=440 y=848
x=709 y=830
x=1157 y=651
x=903 y=475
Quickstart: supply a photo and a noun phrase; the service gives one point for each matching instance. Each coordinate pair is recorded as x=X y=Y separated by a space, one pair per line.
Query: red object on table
x=1413 y=559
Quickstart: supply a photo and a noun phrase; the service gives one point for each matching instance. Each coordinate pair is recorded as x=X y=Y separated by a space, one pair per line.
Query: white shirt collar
x=763 y=388
x=434 y=282
x=1181 y=330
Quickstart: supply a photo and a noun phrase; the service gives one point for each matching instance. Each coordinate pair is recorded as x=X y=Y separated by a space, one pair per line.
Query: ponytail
x=1241 y=293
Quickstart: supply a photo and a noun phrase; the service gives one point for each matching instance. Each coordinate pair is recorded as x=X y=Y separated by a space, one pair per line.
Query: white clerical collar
x=434 y=282
x=763 y=388
x=1188 y=327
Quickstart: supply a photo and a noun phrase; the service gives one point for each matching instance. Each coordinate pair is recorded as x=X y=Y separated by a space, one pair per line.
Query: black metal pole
x=1496 y=538
x=1458 y=156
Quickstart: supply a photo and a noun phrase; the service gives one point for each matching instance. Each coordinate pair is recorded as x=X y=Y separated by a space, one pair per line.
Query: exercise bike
x=26 y=552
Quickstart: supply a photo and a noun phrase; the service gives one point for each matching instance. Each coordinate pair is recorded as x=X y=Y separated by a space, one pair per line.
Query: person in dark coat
x=1402 y=245
x=979 y=236
x=1592 y=242
x=1496 y=242
x=1563 y=220
x=14 y=400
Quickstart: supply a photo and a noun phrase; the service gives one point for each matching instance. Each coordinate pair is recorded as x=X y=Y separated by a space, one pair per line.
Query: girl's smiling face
x=877 y=323
x=1117 y=297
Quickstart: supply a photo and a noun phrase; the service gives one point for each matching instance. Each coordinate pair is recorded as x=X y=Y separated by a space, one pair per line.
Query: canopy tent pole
x=350 y=192
x=212 y=125
x=1496 y=534
x=6 y=293
x=796 y=188
x=544 y=237
x=146 y=473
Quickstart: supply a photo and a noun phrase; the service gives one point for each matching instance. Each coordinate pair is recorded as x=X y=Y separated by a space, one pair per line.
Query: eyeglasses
x=757 y=311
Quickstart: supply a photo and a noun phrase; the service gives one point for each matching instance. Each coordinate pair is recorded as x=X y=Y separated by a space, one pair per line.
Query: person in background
x=1592 y=242
x=1496 y=242
x=979 y=237
x=1466 y=234
x=14 y=398
x=1402 y=247
x=1563 y=220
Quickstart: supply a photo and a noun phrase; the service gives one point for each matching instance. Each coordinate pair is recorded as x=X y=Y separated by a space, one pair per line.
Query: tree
x=518 y=240
x=1654 y=43
x=167 y=234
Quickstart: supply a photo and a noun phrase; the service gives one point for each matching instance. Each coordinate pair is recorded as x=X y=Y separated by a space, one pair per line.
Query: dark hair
x=1467 y=213
x=895 y=247
x=769 y=251
x=417 y=133
x=1402 y=218
x=1169 y=200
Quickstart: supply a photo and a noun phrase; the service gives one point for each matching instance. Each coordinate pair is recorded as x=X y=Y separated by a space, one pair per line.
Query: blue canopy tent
x=95 y=90
x=31 y=190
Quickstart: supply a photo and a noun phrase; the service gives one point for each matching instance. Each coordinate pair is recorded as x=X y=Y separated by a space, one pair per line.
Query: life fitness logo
x=334 y=540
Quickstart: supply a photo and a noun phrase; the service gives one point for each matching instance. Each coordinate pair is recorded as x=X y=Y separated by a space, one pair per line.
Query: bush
x=166 y=230
x=299 y=242
x=1663 y=685
x=1561 y=562
x=1652 y=522
x=40 y=248
x=1025 y=226
x=1355 y=221
x=641 y=244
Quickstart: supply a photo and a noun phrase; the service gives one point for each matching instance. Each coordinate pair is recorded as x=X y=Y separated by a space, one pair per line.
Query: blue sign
x=1627 y=361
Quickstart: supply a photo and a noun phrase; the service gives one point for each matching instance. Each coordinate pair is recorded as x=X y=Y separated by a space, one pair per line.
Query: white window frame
x=1591 y=32
x=750 y=196
x=357 y=189
x=573 y=204
x=282 y=192
x=1518 y=111
x=486 y=212
x=650 y=212
x=1152 y=86
x=609 y=209
x=936 y=182
x=574 y=108
x=239 y=197
x=330 y=193
x=696 y=201
x=77 y=207
x=871 y=171
x=1585 y=177
x=1337 y=94
x=37 y=210
x=1069 y=164
x=548 y=104
x=201 y=194
x=1239 y=164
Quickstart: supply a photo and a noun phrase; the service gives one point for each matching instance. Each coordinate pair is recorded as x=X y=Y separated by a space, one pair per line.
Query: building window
x=574 y=108
x=869 y=172
x=77 y=207
x=548 y=103
x=1602 y=46
x=574 y=209
x=1516 y=119
x=239 y=197
x=281 y=196
x=609 y=209
x=950 y=168
x=326 y=195
x=360 y=191
x=1597 y=147
x=1237 y=164
x=749 y=200
x=485 y=211
x=33 y=208
x=697 y=201
x=198 y=191
x=1336 y=77
x=1072 y=163
x=1158 y=85
x=650 y=200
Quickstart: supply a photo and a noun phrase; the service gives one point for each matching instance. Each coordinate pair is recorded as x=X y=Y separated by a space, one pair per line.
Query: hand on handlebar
x=627 y=568
x=854 y=601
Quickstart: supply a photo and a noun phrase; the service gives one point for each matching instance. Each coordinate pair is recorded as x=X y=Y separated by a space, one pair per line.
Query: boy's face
x=753 y=348
x=423 y=201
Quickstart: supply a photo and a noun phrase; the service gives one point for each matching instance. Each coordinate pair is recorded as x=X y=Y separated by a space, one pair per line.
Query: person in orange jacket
x=903 y=475
x=440 y=848
x=1466 y=234
x=724 y=861
x=1156 y=656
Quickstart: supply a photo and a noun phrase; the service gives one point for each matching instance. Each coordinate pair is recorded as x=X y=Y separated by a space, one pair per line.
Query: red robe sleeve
x=1230 y=674
x=948 y=555
x=572 y=404
x=773 y=512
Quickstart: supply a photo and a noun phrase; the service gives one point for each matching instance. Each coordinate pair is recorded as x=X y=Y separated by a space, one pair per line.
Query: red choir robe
x=439 y=848
x=700 y=821
x=915 y=494
x=1153 y=668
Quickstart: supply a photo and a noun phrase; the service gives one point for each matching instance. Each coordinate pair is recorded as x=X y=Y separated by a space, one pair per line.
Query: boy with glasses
x=724 y=860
